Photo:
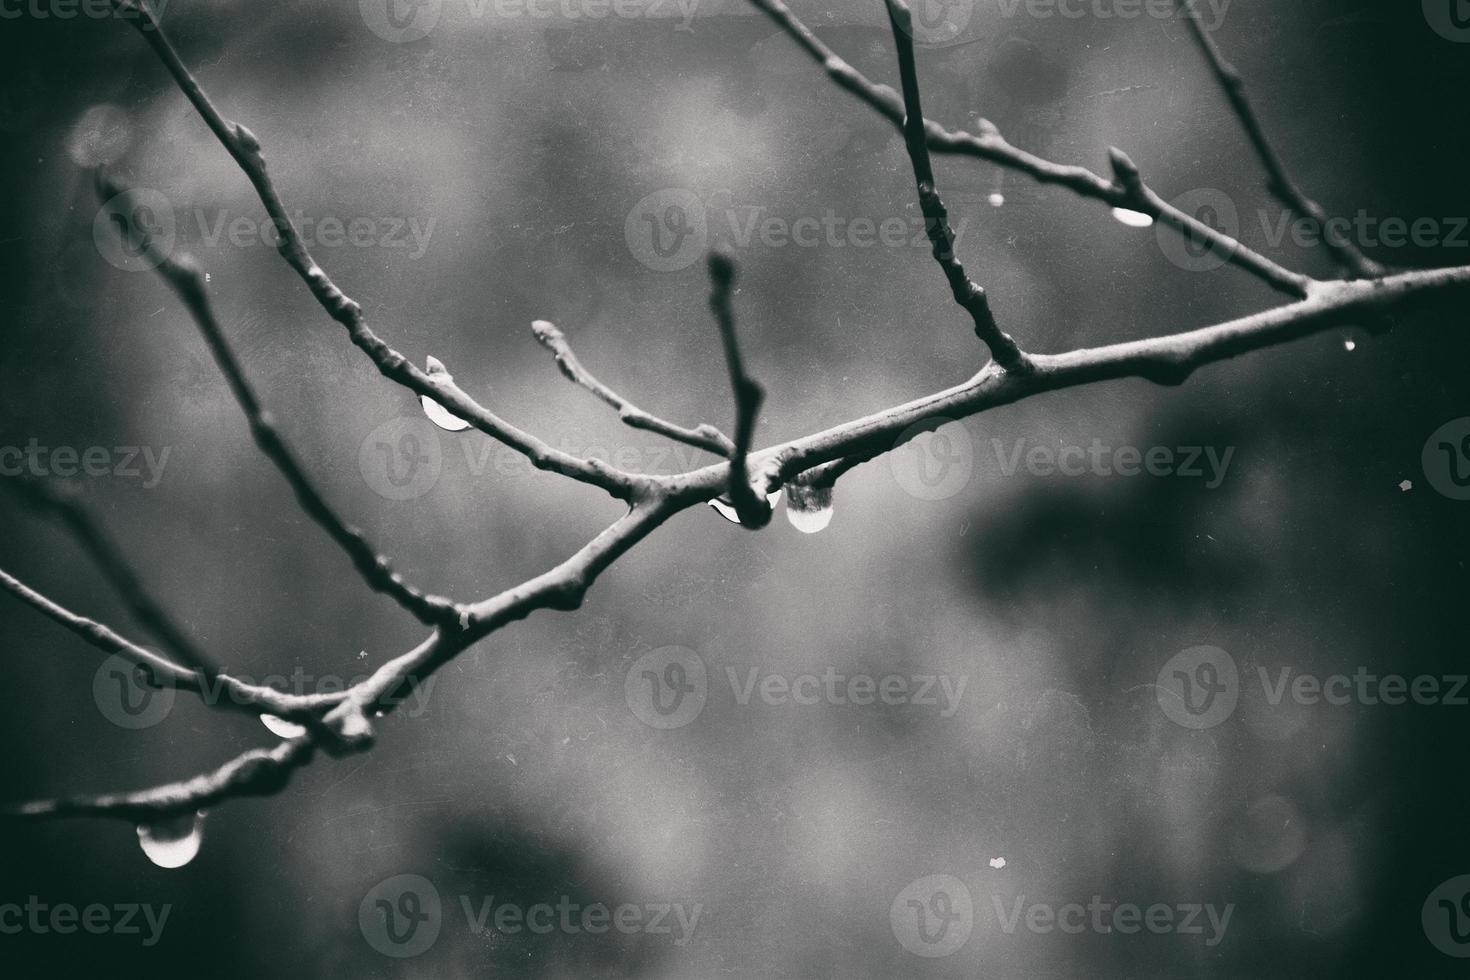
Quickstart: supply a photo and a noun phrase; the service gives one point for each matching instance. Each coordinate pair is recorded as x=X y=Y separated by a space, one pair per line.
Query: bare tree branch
x=258 y=772
x=115 y=568
x=967 y=293
x=705 y=437
x=341 y=721
x=1279 y=181
x=991 y=145
x=753 y=509
x=160 y=671
x=245 y=148
x=187 y=281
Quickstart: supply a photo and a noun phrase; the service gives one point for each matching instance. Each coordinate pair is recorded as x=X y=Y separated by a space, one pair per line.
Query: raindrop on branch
x=725 y=507
x=809 y=509
x=172 y=843
x=437 y=413
x=997 y=199
x=1133 y=219
x=282 y=727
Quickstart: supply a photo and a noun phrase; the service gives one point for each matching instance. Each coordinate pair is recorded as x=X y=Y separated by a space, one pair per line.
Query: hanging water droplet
x=282 y=727
x=725 y=507
x=173 y=843
x=437 y=413
x=997 y=199
x=1133 y=219
x=1350 y=345
x=809 y=509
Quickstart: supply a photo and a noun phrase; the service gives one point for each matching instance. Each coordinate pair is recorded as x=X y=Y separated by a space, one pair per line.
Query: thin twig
x=822 y=456
x=753 y=509
x=990 y=145
x=114 y=566
x=967 y=293
x=705 y=437
x=1279 y=180
x=219 y=691
x=242 y=145
x=257 y=772
x=187 y=281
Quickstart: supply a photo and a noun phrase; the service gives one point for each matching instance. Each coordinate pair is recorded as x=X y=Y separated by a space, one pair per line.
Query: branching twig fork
x=705 y=437
x=821 y=456
x=1279 y=180
x=114 y=566
x=990 y=145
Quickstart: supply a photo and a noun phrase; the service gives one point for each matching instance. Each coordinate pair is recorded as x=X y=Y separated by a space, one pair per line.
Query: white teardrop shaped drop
x=997 y=199
x=1133 y=219
x=282 y=727
x=809 y=509
x=1350 y=345
x=726 y=508
x=173 y=843
x=438 y=414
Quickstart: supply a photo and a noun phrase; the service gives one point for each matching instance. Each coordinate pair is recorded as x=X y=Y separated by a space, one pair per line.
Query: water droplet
x=173 y=843
x=100 y=136
x=1133 y=219
x=726 y=508
x=997 y=863
x=438 y=414
x=997 y=199
x=809 y=509
x=282 y=727
x=1349 y=345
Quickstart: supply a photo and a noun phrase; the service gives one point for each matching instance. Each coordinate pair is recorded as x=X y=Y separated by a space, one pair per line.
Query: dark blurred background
x=525 y=150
